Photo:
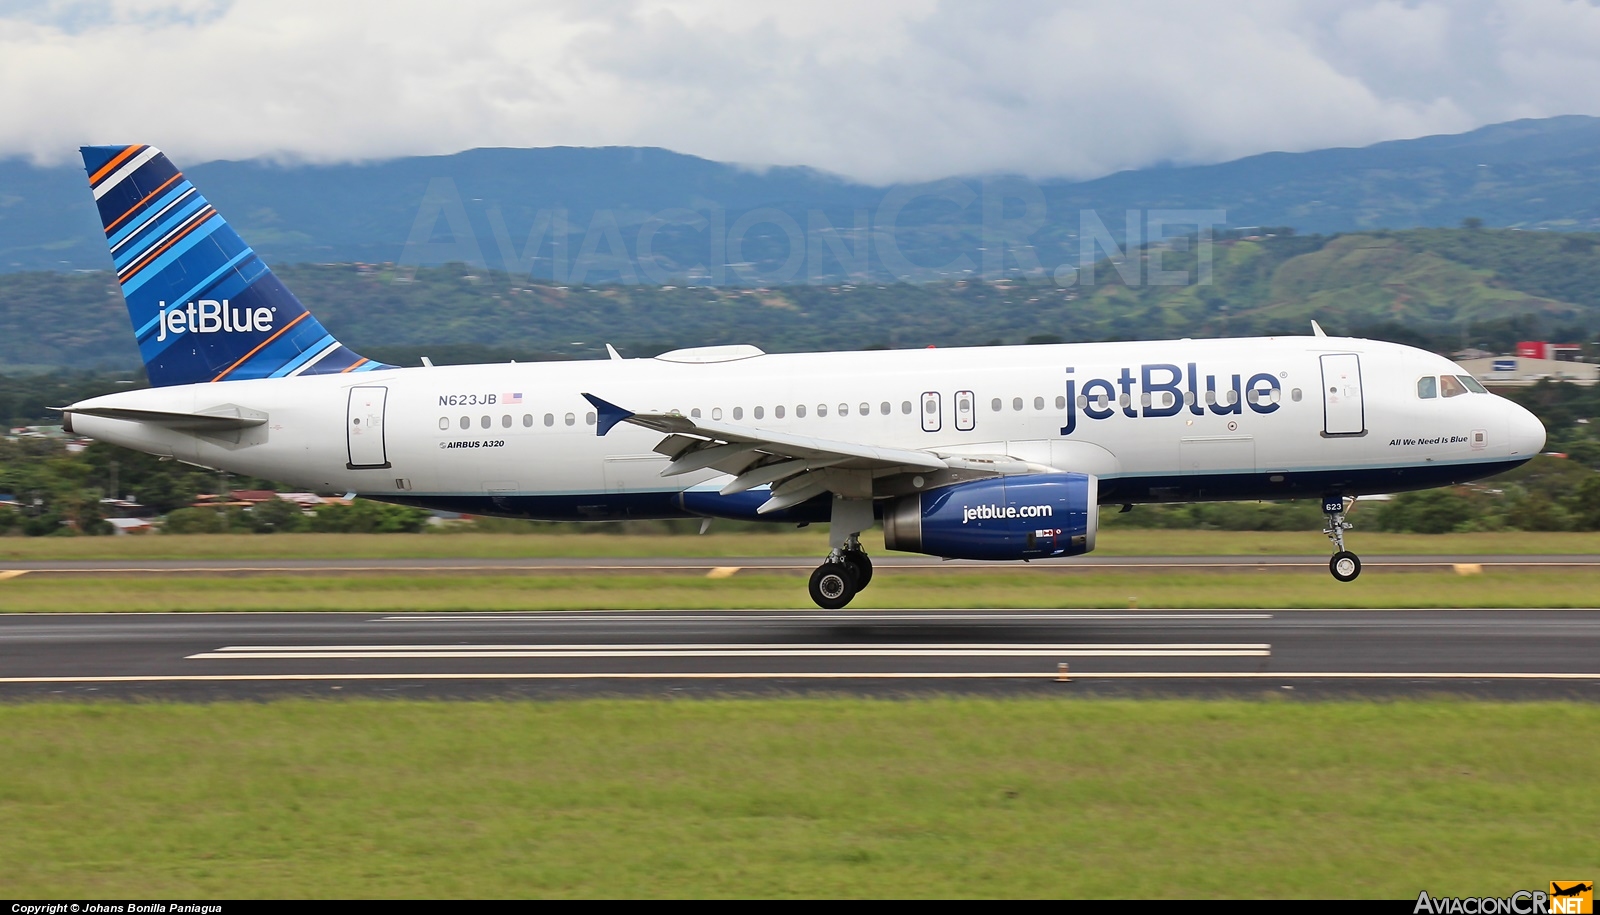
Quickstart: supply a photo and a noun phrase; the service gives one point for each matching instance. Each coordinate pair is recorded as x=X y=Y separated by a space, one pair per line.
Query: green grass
x=798 y=797
x=809 y=542
x=1014 y=587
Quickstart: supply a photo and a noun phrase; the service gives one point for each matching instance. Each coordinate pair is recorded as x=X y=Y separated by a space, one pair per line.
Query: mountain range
x=650 y=216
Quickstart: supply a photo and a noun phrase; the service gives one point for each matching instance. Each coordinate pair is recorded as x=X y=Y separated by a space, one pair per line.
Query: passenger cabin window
x=1451 y=386
x=1427 y=387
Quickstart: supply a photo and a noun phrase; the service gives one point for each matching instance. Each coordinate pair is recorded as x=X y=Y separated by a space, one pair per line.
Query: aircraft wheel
x=861 y=565
x=1345 y=565
x=833 y=584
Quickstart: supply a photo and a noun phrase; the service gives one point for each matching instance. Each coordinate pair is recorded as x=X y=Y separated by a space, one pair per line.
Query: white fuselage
x=520 y=439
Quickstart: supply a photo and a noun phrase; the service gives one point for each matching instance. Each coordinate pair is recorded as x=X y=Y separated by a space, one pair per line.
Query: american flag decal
x=511 y=398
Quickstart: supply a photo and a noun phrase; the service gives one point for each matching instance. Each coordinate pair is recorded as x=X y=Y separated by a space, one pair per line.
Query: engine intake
x=1019 y=517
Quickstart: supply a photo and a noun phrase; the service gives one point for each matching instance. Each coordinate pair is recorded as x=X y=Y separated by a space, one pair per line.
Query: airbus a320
x=991 y=453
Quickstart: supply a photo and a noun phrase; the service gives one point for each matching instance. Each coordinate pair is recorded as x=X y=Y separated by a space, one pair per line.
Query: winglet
x=607 y=414
x=1317 y=329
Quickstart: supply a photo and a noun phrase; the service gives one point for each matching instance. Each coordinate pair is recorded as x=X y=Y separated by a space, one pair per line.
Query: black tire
x=863 y=568
x=1345 y=565
x=833 y=584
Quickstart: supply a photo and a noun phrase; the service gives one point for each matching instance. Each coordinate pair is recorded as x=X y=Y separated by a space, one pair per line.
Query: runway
x=792 y=564
x=1311 y=653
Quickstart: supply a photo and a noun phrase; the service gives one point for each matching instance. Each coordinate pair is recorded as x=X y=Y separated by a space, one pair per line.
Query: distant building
x=124 y=526
x=124 y=508
x=1522 y=370
x=1538 y=349
x=253 y=496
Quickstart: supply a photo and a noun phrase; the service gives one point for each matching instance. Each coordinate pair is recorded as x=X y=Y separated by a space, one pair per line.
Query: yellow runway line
x=14 y=573
x=723 y=572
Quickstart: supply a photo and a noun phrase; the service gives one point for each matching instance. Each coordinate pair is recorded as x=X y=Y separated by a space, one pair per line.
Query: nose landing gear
x=1344 y=565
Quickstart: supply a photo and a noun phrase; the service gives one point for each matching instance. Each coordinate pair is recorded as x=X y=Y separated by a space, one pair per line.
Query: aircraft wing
x=794 y=465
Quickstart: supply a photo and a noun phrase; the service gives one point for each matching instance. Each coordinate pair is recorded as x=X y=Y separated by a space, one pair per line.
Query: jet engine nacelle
x=1016 y=517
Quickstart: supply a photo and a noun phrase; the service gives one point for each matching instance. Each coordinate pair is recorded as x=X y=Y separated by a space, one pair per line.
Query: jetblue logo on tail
x=209 y=316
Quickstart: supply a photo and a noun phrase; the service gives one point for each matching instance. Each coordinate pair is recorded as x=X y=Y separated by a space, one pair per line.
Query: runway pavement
x=1311 y=653
x=795 y=564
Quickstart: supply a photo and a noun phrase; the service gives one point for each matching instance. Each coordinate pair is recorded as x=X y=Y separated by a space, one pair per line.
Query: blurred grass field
x=985 y=588
x=783 y=542
x=921 y=798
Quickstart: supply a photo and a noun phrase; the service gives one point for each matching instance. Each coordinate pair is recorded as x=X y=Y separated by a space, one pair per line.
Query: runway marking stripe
x=927 y=675
x=16 y=573
x=570 y=616
x=768 y=653
x=747 y=646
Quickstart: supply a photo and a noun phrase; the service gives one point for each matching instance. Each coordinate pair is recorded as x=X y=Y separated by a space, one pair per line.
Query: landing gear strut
x=1344 y=565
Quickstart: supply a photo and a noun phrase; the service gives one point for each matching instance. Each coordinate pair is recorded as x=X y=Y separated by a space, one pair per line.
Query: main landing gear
x=1344 y=565
x=845 y=573
x=847 y=570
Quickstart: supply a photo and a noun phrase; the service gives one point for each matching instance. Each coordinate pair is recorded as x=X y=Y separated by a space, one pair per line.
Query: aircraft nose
x=1523 y=430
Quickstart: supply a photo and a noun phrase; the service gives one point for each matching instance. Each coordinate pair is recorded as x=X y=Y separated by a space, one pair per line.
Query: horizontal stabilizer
x=217 y=419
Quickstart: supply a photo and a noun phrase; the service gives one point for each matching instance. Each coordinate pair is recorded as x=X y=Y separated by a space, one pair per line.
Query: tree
x=277 y=516
x=1585 y=506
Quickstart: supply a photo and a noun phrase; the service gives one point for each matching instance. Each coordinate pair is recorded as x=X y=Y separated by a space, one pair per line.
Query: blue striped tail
x=204 y=306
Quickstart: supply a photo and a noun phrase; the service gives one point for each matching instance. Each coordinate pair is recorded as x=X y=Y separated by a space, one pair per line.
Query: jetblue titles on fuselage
x=1164 y=389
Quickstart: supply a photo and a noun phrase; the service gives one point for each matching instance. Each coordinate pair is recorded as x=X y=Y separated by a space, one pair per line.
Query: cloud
x=883 y=91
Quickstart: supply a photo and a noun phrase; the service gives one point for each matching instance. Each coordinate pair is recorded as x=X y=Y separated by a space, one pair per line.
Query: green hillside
x=1443 y=288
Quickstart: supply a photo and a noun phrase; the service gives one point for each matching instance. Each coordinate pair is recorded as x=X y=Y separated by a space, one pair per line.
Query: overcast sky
x=878 y=90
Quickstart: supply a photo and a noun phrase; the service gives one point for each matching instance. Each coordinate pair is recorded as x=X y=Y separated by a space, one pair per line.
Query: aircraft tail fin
x=204 y=306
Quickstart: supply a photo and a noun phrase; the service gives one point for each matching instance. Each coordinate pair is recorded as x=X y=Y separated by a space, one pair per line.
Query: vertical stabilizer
x=204 y=306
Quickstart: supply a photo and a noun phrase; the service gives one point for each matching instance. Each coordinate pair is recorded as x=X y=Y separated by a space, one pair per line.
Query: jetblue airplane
x=993 y=453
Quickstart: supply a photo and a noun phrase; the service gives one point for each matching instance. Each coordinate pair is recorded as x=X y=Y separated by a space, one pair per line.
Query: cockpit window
x=1472 y=384
x=1451 y=386
x=1427 y=387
